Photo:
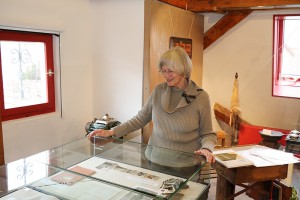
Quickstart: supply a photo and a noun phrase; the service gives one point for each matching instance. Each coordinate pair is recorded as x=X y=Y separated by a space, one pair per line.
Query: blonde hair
x=177 y=60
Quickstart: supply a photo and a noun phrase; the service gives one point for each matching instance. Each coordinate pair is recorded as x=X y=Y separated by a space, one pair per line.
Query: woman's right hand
x=101 y=133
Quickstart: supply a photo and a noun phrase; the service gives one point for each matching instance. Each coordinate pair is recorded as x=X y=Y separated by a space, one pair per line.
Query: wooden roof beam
x=228 y=21
x=225 y=5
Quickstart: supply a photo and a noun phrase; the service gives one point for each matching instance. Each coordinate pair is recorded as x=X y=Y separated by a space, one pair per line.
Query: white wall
x=27 y=136
x=105 y=46
x=247 y=49
x=118 y=32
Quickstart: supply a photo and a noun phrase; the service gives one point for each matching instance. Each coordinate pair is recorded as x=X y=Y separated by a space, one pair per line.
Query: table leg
x=225 y=189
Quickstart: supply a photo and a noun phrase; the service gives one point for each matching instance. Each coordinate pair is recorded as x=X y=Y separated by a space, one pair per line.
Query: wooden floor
x=212 y=192
x=295 y=184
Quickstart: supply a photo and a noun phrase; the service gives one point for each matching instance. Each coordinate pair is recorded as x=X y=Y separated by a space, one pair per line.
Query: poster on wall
x=185 y=43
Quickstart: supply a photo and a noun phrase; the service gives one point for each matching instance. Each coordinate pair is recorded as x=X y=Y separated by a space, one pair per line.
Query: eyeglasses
x=168 y=72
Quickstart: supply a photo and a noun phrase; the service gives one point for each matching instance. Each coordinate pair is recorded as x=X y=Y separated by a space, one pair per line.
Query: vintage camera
x=293 y=142
x=106 y=123
x=293 y=135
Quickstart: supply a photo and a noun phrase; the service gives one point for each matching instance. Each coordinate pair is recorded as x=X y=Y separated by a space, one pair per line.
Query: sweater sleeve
x=208 y=137
x=143 y=117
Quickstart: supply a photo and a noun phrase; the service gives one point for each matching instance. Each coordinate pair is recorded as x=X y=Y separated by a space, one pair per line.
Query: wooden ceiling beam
x=234 y=10
x=225 y=5
x=228 y=21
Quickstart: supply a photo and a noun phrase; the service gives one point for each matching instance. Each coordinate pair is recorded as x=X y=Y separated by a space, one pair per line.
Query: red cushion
x=249 y=134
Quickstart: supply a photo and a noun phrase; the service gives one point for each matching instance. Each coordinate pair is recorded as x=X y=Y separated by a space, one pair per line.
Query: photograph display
x=139 y=183
x=114 y=166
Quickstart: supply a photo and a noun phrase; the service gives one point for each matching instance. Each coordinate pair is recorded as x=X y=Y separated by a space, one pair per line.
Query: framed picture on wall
x=185 y=43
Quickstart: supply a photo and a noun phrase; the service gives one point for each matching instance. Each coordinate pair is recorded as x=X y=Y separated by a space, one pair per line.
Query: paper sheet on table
x=263 y=156
x=259 y=156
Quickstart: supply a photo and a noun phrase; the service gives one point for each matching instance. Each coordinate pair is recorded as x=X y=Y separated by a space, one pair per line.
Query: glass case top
x=117 y=168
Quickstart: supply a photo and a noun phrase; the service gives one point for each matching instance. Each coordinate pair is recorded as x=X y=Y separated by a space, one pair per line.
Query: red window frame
x=37 y=109
x=279 y=88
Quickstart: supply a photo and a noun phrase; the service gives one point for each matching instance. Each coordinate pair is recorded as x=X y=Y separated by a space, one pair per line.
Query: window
x=26 y=75
x=286 y=56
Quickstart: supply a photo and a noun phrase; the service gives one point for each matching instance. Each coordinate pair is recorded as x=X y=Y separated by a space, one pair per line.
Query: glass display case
x=105 y=168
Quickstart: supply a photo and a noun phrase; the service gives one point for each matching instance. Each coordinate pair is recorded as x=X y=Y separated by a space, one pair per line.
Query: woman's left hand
x=207 y=153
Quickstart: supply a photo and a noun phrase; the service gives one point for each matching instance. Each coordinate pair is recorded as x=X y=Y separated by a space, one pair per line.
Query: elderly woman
x=179 y=109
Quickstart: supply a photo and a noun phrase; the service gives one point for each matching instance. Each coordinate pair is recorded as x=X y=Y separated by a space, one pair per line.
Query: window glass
x=286 y=58
x=291 y=50
x=23 y=71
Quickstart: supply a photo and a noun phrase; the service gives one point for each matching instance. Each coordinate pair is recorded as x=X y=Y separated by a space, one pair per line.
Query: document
x=263 y=156
x=257 y=155
x=70 y=178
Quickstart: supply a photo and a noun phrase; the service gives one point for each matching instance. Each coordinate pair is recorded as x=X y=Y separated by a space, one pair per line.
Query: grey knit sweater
x=179 y=123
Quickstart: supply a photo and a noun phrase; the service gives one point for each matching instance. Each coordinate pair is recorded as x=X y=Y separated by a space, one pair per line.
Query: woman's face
x=173 y=79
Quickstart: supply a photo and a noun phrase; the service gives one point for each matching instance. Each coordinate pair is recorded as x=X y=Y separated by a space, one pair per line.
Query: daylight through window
x=27 y=78
x=286 y=62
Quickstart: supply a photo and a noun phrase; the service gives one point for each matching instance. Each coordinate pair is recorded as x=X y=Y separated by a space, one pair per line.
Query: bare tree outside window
x=23 y=68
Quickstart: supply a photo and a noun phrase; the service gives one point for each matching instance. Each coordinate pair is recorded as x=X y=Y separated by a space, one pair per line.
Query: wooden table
x=249 y=177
